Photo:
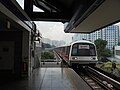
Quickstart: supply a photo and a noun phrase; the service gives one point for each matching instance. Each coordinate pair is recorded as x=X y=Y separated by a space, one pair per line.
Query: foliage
x=47 y=55
x=118 y=66
x=102 y=51
x=107 y=53
x=46 y=45
x=100 y=44
x=108 y=66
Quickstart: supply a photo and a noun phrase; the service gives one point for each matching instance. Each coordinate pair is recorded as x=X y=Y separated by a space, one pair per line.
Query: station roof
x=81 y=15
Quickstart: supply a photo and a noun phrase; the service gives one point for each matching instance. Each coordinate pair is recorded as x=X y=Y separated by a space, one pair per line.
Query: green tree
x=46 y=45
x=47 y=55
x=102 y=51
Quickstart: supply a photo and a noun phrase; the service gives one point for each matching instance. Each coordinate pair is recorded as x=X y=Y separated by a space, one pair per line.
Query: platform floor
x=48 y=79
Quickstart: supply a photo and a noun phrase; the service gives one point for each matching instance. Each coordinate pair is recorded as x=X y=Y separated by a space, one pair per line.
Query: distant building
x=46 y=40
x=80 y=36
x=95 y=35
x=53 y=42
x=110 y=34
x=58 y=43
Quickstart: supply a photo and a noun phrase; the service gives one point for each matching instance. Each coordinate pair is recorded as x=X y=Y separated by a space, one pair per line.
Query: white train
x=81 y=52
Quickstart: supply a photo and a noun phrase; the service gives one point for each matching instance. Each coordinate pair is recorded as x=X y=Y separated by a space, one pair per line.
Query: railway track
x=96 y=79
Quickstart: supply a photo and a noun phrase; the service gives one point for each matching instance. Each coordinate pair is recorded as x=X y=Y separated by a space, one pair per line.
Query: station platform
x=48 y=79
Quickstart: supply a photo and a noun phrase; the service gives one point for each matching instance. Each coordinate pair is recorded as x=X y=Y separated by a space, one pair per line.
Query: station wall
x=11 y=52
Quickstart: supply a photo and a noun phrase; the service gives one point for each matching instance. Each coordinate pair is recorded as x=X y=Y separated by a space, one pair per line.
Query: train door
x=7 y=55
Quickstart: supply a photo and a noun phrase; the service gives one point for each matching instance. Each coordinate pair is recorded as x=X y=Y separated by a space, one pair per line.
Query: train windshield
x=83 y=49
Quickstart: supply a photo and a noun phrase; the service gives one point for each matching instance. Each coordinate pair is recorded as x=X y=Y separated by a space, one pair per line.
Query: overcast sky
x=54 y=31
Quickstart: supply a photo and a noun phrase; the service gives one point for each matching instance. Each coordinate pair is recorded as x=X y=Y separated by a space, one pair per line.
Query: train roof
x=79 y=41
x=82 y=41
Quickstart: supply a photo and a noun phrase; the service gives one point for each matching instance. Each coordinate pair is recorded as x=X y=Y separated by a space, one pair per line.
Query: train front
x=83 y=53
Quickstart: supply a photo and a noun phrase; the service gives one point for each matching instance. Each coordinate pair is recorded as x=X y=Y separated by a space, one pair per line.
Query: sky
x=54 y=31
x=51 y=30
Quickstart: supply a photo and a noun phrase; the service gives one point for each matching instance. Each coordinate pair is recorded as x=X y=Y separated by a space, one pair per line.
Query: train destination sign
x=83 y=46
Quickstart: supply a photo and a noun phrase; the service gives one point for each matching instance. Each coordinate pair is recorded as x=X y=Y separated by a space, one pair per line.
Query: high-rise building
x=110 y=34
x=80 y=36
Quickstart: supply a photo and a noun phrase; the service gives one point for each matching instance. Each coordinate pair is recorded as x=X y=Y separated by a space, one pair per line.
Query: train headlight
x=93 y=58
x=75 y=58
